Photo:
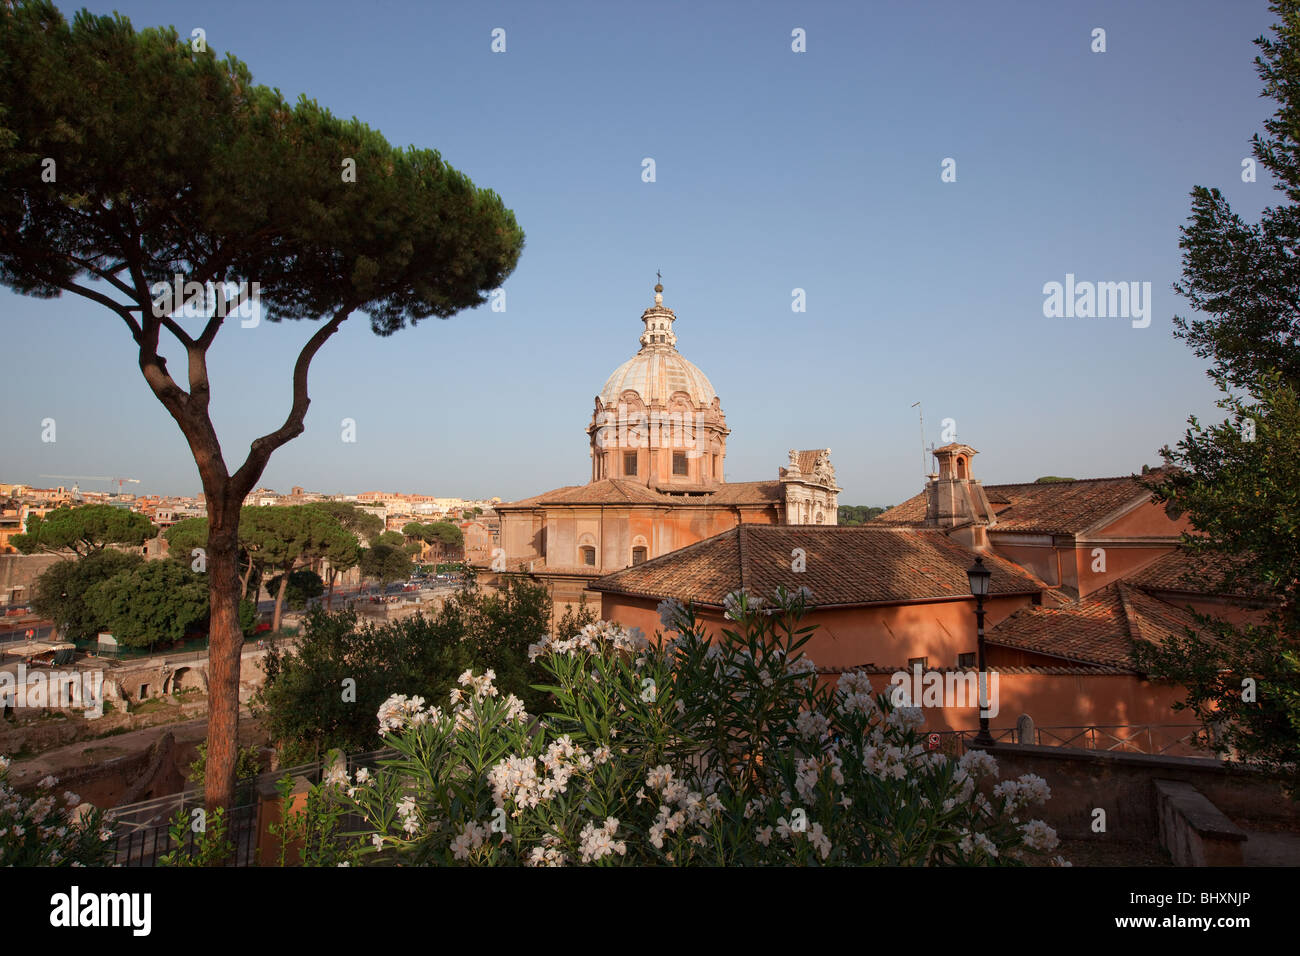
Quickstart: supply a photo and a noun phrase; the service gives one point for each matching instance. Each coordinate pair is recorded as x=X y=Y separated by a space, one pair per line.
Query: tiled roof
x=843 y=566
x=1099 y=629
x=625 y=491
x=605 y=491
x=807 y=460
x=1191 y=573
x=1056 y=507
x=1080 y=670
x=909 y=514
x=746 y=493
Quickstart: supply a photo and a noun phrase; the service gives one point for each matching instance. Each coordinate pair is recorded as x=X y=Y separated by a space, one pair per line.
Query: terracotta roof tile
x=1191 y=573
x=605 y=491
x=1056 y=507
x=843 y=566
x=624 y=491
x=1097 y=630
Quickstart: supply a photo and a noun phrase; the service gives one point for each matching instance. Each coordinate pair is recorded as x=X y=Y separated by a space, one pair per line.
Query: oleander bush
x=684 y=751
x=45 y=830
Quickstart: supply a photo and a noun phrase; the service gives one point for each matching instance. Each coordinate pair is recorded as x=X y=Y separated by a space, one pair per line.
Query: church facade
x=658 y=439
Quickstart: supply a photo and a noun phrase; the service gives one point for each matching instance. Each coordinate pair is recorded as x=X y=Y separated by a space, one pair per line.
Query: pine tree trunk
x=279 y=600
x=225 y=645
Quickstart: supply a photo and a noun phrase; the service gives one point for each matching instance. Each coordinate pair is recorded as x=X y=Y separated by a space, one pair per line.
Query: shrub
x=41 y=831
x=728 y=751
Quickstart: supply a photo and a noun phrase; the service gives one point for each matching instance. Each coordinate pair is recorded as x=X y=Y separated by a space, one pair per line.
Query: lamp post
x=978 y=576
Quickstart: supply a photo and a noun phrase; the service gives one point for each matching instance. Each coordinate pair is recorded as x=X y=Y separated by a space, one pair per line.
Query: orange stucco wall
x=1146 y=519
x=1119 y=561
x=883 y=636
x=558 y=534
x=1062 y=700
x=890 y=636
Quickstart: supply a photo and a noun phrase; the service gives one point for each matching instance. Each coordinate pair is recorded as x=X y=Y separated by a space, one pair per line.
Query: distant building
x=658 y=440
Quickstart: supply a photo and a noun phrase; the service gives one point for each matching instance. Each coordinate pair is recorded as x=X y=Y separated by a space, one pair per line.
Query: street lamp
x=978 y=576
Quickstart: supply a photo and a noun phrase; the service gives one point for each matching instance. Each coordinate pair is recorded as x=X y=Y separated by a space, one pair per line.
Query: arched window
x=961 y=467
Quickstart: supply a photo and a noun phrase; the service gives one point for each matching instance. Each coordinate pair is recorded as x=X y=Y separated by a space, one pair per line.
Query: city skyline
x=776 y=171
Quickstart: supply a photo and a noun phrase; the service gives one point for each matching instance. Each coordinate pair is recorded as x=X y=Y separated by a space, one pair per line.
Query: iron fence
x=143 y=830
x=1180 y=740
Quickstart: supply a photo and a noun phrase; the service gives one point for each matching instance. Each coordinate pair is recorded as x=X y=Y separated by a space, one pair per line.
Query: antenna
x=921 y=414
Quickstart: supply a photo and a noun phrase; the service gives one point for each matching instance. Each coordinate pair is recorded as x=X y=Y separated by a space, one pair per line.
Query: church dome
x=658 y=369
x=655 y=376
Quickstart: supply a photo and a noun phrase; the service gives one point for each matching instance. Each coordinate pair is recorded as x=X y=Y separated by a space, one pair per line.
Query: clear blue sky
x=775 y=170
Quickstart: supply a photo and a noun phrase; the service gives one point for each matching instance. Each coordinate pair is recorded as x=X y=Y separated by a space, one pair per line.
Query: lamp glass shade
x=979 y=578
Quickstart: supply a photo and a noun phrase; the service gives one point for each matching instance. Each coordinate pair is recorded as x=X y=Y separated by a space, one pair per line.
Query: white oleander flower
x=671 y=614
x=470 y=839
x=598 y=842
x=1039 y=836
x=978 y=763
x=820 y=842
x=812 y=724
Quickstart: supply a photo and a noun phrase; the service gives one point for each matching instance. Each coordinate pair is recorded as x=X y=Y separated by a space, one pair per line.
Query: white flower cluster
x=887 y=761
x=672 y=615
x=548 y=854
x=470 y=839
x=813 y=831
x=740 y=603
x=40 y=825
x=336 y=776
x=978 y=763
x=803 y=666
x=812 y=725
x=410 y=815
x=596 y=842
x=1039 y=836
x=906 y=718
x=855 y=693
x=808 y=773
x=971 y=842
x=515 y=779
x=399 y=712
x=680 y=805
x=592 y=639
x=1029 y=789
x=479 y=687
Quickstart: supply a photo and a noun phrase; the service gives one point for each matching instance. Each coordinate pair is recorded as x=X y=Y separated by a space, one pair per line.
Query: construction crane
x=120 y=481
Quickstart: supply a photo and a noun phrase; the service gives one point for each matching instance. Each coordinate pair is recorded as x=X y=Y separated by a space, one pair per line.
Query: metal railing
x=1183 y=740
x=143 y=829
x=1127 y=738
x=144 y=845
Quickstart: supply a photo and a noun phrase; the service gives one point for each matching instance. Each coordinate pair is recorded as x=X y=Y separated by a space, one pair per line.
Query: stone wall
x=22 y=570
x=1124 y=786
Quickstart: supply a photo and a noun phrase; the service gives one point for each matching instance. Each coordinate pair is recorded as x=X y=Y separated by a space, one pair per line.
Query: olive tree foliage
x=130 y=158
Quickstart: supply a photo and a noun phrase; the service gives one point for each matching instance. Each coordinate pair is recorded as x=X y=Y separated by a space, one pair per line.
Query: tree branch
x=259 y=452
